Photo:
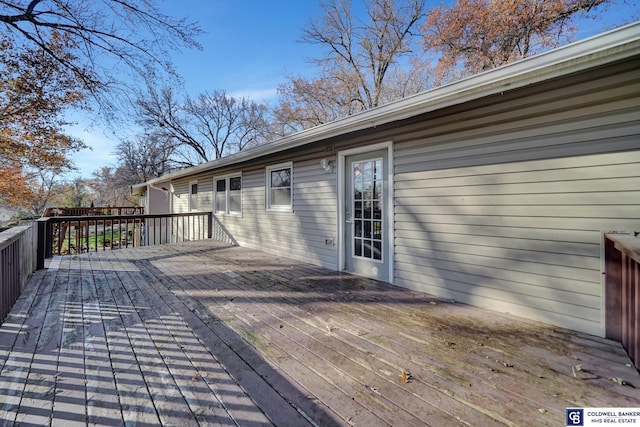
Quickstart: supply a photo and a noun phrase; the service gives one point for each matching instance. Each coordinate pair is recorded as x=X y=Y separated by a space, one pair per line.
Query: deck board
x=205 y=334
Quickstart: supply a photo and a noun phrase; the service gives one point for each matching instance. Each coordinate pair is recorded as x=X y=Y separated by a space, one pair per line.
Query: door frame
x=388 y=201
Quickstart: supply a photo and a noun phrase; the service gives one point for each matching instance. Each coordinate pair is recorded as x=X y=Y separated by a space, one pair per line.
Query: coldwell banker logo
x=575 y=417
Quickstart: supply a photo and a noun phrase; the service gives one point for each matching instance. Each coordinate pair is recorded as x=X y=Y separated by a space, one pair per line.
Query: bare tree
x=360 y=54
x=206 y=127
x=143 y=158
x=113 y=40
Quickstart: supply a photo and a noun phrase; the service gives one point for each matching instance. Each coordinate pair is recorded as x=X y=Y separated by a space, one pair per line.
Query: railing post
x=209 y=225
x=613 y=290
x=41 y=251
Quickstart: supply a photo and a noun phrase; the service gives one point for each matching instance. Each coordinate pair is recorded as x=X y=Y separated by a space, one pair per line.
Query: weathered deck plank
x=201 y=334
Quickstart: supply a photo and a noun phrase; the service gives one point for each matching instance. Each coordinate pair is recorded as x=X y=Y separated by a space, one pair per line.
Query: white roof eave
x=592 y=52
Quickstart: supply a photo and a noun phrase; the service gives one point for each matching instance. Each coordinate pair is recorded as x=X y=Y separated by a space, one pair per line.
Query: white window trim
x=226 y=210
x=277 y=208
x=191 y=183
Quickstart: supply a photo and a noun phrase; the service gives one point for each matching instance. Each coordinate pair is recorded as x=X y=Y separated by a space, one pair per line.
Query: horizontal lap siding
x=300 y=234
x=504 y=207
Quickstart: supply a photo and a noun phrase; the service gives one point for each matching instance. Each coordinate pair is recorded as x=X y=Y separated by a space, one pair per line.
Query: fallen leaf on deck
x=405 y=376
x=575 y=369
x=621 y=381
x=329 y=328
x=196 y=377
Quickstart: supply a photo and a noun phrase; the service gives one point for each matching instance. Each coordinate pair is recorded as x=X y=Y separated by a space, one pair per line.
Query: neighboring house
x=494 y=191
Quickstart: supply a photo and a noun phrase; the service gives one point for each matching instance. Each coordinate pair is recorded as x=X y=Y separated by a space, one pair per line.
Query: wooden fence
x=17 y=263
x=622 y=292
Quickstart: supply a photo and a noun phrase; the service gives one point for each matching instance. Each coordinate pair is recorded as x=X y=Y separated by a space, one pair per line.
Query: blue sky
x=249 y=46
x=248 y=49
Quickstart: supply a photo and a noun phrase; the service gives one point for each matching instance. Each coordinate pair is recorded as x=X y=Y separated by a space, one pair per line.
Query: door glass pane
x=357 y=212
x=367 y=209
x=367 y=249
x=367 y=229
x=377 y=210
x=377 y=230
x=357 y=246
x=377 y=250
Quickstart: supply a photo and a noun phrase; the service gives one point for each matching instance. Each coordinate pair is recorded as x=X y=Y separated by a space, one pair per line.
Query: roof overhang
x=593 y=52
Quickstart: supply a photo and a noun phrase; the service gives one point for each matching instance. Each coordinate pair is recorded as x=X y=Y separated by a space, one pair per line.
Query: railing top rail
x=627 y=243
x=93 y=211
x=9 y=236
x=120 y=217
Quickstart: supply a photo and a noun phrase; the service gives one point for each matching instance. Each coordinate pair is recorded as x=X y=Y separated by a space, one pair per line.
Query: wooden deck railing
x=17 y=263
x=61 y=235
x=622 y=292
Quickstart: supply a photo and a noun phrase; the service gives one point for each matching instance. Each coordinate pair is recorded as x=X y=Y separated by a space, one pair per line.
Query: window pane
x=221 y=185
x=221 y=202
x=281 y=197
x=281 y=178
x=358 y=228
x=235 y=183
x=235 y=201
x=194 y=188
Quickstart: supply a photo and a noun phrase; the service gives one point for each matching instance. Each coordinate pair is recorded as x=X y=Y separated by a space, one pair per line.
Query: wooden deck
x=204 y=334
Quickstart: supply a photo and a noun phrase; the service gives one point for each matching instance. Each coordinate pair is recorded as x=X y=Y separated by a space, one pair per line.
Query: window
x=193 y=195
x=221 y=196
x=235 y=194
x=228 y=194
x=279 y=185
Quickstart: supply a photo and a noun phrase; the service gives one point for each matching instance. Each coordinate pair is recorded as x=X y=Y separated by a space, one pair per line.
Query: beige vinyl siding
x=180 y=197
x=301 y=234
x=505 y=206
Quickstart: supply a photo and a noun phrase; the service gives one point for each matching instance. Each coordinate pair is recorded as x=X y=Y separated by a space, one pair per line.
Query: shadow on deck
x=200 y=333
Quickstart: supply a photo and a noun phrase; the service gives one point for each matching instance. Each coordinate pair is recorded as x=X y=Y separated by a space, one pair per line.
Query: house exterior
x=494 y=191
